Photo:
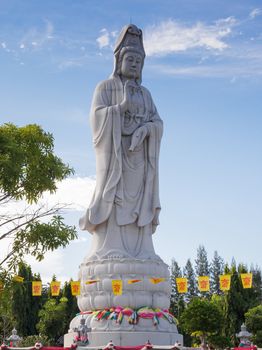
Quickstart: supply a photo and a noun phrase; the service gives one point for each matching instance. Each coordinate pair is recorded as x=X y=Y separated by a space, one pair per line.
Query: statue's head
x=129 y=46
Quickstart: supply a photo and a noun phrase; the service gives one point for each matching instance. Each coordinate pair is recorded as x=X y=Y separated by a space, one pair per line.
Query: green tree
x=71 y=307
x=257 y=284
x=28 y=168
x=189 y=273
x=176 y=302
x=234 y=305
x=238 y=301
x=26 y=307
x=201 y=318
x=202 y=267
x=6 y=315
x=220 y=340
x=53 y=320
x=254 y=324
x=30 y=341
x=216 y=269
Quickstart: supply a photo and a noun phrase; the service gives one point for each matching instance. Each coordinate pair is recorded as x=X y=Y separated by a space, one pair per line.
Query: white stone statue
x=127 y=131
x=123 y=213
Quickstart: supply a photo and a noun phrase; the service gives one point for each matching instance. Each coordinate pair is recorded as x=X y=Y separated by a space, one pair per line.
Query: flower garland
x=118 y=313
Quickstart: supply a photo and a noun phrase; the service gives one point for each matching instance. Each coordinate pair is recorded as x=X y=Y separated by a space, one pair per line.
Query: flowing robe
x=124 y=210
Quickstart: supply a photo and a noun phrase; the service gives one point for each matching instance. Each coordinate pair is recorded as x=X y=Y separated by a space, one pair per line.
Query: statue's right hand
x=126 y=104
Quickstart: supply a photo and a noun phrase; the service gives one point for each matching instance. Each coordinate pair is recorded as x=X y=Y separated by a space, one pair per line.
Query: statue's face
x=131 y=65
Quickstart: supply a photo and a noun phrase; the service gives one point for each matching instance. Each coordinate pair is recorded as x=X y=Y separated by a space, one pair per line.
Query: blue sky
x=204 y=71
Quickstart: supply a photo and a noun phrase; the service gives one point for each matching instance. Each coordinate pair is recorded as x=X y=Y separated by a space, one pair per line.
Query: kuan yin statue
x=123 y=213
x=127 y=131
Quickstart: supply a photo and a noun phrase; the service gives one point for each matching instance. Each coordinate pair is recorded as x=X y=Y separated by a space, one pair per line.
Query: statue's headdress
x=130 y=39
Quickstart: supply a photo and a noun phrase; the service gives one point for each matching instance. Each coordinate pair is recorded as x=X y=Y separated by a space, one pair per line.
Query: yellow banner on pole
x=156 y=280
x=55 y=288
x=181 y=284
x=91 y=281
x=246 y=280
x=203 y=283
x=19 y=279
x=117 y=287
x=75 y=288
x=133 y=281
x=36 y=288
x=224 y=282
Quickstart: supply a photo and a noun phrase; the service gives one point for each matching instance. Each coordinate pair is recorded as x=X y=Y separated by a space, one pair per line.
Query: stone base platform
x=120 y=338
x=125 y=334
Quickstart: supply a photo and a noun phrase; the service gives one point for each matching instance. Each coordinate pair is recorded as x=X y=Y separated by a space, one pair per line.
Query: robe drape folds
x=113 y=164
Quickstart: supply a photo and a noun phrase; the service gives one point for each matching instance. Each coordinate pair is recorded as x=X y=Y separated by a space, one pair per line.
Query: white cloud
x=210 y=71
x=103 y=40
x=171 y=36
x=76 y=191
x=52 y=264
x=114 y=34
x=36 y=38
x=106 y=39
x=254 y=13
x=5 y=47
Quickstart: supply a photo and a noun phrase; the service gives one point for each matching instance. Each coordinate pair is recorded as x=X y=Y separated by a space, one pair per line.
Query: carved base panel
x=99 y=295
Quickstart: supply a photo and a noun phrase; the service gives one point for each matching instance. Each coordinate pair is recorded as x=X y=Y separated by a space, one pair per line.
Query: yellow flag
x=246 y=280
x=156 y=280
x=133 y=281
x=36 y=288
x=203 y=283
x=181 y=283
x=224 y=282
x=19 y=279
x=91 y=281
x=117 y=287
x=75 y=288
x=55 y=288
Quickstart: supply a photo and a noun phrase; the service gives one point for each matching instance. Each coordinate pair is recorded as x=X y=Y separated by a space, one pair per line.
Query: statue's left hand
x=138 y=137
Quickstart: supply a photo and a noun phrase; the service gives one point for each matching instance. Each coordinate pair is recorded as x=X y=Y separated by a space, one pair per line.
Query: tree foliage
x=26 y=312
x=31 y=340
x=254 y=324
x=176 y=302
x=232 y=304
x=6 y=315
x=53 y=320
x=202 y=265
x=189 y=273
x=201 y=318
x=254 y=319
x=28 y=168
x=216 y=269
x=71 y=306
x=238 y=301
